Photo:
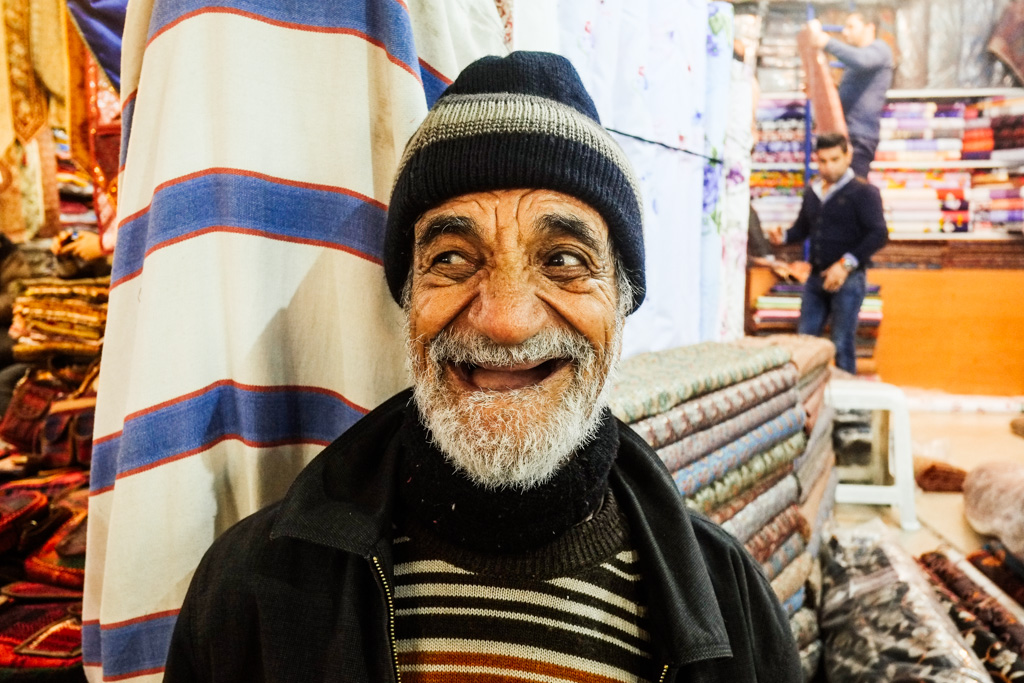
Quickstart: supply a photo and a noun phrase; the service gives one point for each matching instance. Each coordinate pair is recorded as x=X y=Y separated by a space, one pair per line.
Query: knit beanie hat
x=520 y=121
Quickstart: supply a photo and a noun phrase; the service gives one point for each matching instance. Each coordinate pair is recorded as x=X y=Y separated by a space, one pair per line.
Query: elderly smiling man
x=495 y=523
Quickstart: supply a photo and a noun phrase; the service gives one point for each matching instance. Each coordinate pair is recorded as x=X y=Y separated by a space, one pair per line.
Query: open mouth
x=507 y=378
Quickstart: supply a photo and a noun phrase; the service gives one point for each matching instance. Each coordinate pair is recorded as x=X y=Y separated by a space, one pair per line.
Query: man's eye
x=565 y=259
x=450 y=258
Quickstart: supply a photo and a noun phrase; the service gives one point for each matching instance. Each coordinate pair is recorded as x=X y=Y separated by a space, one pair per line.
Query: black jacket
x=851 y=221
x=300 y=591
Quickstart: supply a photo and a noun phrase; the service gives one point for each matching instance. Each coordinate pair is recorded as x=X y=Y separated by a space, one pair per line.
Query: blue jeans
x=863 y=155
x=816 y=304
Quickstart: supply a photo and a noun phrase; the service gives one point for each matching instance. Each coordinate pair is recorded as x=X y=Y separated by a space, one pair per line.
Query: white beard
x=516 y=438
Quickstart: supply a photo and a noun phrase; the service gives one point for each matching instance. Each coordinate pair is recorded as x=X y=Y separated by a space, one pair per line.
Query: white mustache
x=477 y=349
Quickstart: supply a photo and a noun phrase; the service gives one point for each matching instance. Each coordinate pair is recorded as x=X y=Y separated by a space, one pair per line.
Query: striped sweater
x=570 y=611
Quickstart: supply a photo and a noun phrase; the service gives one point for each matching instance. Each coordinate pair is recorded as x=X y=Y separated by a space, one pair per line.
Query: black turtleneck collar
x=443 y=499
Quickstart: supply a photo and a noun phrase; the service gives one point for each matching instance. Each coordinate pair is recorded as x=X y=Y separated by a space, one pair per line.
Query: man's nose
x=508 y=309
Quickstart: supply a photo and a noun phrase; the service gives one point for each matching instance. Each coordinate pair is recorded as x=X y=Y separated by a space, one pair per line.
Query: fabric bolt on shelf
x=652 y=383
x=808 y=352
x=711 y=468
x=711 y=409
x=728 y=510
x=991 y=561
x=744 y=524
x=935 y=475
x=814 y=470
x=810 y=660
x=995 y=617
x=701 y=444
x=796 y=601
x=1003 y=664
x=793 y=577
x=804 y=626
x=766 y=541
x=791 y=548
x=739 y=480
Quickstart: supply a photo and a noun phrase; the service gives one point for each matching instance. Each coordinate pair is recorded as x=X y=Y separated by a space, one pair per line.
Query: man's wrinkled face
x=514 y=328
x=833 y=162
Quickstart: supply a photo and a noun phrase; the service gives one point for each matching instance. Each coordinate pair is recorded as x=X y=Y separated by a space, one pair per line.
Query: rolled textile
x=804 y=625
x=766 y=541
x=991 y=561
x=651 y=383
x=828 y=503
x=793 y=604
x=984 y=606
x=813 y=406
x=813 y=470
x=710 y=409
x=697 y=475
x=700 y=444
x=820 y=435
x=821 y=87
x=793 y=577
x=935 y=475
x=728 y=510
x=1001 y=662
x=808 y=352
x=791 y=548
x=808 y=383
x=812 y=502
x=810 y=660
x=763 y=509
x=739 y=480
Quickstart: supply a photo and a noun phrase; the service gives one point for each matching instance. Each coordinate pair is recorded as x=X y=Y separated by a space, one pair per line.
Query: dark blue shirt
x=867 y=77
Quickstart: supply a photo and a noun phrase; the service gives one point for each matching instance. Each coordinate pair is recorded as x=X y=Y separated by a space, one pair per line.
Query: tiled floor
x=965 y=440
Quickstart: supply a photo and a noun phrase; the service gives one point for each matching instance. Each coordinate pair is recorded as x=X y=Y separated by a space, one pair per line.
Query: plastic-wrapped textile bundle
x=880 y=620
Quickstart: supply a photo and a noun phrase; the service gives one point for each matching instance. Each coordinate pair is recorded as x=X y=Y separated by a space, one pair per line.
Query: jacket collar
x=344 y=499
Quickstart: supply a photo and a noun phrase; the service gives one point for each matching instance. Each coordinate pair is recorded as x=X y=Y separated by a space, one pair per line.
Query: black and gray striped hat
x=521 y=121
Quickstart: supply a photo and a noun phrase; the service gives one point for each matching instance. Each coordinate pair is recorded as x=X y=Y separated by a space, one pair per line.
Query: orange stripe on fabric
x=504 y=662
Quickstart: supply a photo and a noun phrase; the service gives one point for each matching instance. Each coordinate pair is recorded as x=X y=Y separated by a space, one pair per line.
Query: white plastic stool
x=846 y=394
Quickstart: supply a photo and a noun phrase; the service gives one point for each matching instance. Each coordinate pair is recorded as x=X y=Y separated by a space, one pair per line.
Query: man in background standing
x=842 y=215
x=868 y=75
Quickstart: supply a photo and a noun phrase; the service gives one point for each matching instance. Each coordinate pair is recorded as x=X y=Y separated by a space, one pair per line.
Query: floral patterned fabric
x=804 y=625
x=729 y=509
x=879 y=621
x=793 y=577
x=711 y=409
x=697 y=475
x=739 y=480
x=984 y=606
x=1003 y=665
x=792 y=548
x=696 y=446
x=766 y=541
x=995 y=562
x=652 y=383
x=753 y=517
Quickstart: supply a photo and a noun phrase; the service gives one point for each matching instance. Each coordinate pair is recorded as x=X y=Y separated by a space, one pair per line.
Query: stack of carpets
x=55 y=316
x=990 y=621
x=730 y=423
x=780 y=128
x=921 y=132
x=924 y=201
x=776 y=196
x=779 y=312
x=75 y=189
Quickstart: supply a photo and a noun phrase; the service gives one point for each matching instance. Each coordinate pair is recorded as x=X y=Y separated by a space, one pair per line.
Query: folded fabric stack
x=879 y=617
x=75 y=188
x=921 y=131
x=924 y=201
x=779 y=312
x=55 y=316
x=991 y=623
x=780 y=125
x=730 y=423
x=997 y=208
x=779 y=68
x=1007 y=120
x=776 y=197
x=979 y=137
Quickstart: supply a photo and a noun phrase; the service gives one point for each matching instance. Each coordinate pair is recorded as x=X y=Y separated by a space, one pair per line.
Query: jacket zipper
x=391 y=617
x=664 y=674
